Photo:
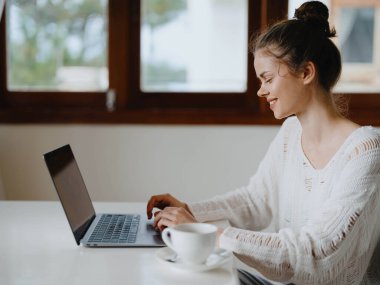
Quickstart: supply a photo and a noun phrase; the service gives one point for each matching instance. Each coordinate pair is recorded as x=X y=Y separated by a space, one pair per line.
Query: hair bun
x=317 y=14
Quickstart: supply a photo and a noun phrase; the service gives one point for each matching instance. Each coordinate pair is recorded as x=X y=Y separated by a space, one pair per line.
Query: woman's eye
x=265 y=81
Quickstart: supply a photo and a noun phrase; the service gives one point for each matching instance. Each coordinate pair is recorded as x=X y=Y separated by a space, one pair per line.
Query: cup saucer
x=217 y=258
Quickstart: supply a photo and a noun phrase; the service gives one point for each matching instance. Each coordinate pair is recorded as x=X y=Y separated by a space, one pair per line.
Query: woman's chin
x=281 y=115
x=278 y=116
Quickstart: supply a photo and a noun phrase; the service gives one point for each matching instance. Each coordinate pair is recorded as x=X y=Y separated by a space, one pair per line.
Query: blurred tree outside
x=46 y=35
x=156 y=14
x=160 y=12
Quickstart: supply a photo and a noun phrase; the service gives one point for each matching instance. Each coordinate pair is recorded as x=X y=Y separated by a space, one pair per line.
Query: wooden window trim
x=364 y=107
x=136 y=107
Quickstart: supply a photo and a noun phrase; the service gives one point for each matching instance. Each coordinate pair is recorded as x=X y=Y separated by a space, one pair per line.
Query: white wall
x=131 y=163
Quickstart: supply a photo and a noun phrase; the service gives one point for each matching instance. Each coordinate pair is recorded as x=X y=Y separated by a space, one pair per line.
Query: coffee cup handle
x=166 y=237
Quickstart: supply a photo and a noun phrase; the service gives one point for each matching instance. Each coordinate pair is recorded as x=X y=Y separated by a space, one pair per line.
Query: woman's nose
x=262 y=92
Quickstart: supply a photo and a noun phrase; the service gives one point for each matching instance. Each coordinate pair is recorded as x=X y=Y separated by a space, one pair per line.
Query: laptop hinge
x=81 y=231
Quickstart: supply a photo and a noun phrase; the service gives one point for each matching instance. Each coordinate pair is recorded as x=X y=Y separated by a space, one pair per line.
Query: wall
x=131 y=163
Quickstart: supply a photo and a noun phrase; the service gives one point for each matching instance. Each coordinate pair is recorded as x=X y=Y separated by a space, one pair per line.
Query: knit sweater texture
x=325 y=222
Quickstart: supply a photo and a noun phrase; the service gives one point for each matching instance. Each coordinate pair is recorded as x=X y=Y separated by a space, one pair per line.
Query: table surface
x=38 y=247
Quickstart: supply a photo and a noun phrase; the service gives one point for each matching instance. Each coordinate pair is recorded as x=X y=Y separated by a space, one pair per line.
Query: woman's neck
x=323 y=132
x=319 y=118
x=318 y=123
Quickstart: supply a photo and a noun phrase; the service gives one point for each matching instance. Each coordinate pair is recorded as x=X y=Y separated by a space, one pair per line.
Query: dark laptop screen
x=71 y=189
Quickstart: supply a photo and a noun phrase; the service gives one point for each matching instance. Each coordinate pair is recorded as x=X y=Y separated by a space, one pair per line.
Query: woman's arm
x=251 y=207
x=343 y=234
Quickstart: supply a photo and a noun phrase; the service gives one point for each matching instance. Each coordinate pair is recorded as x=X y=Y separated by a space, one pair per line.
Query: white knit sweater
x=326 y=221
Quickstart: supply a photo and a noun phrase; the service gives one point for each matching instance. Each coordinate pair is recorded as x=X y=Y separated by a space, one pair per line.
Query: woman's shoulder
x=291 y=121
x=367 y=134
x=364 y=141
x=290 y=126
x=288 y=134
x=369 y=131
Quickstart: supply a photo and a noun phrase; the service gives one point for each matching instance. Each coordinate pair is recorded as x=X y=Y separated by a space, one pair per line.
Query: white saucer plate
x=217 y=258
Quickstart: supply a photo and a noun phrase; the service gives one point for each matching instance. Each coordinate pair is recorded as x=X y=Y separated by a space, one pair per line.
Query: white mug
x=193 y=242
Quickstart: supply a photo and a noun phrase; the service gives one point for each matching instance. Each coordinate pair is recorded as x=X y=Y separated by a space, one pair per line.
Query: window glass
x=57 y=45
x=194 y=45
x=358 y=40
x=357 y=27
x=2 y=2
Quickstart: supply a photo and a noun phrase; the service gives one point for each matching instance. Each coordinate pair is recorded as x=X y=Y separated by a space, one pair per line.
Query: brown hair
x=306 y=37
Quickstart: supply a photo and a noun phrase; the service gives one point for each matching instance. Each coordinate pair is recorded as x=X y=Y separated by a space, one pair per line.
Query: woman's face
x=283 y=90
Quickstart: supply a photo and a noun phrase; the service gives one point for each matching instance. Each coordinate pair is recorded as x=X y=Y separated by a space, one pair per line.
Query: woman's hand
x=172 y=212
x=171 y=216
x=163 y=201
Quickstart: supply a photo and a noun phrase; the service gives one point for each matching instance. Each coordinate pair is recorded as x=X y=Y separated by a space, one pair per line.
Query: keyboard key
x=116 y=229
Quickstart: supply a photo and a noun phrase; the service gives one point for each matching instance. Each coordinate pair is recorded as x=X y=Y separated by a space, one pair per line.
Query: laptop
x=89 y=228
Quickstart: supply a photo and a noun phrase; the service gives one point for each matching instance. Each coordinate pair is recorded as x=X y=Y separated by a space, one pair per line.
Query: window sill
x=139 y=116
x=196 y=116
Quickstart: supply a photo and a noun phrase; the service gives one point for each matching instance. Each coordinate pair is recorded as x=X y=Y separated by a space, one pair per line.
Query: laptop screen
x=71 y=189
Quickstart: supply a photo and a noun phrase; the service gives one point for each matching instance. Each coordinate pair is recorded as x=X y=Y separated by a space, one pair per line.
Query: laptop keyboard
x=116 y=229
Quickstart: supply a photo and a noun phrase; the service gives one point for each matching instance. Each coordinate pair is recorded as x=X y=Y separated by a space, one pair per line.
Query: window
x=195 y=83
x=143 y=61
x=194 y=46
x=358 y=40
x=56 y=46
x=357 y=24
x=54 y=59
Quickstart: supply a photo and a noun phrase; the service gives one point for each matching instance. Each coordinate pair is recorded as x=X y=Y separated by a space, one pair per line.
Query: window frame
x=351 y=69
x=137 y=107
x=364 y=107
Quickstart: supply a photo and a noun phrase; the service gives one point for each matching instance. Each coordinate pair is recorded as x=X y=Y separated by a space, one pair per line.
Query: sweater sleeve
x=344 y=230
x=249 y=207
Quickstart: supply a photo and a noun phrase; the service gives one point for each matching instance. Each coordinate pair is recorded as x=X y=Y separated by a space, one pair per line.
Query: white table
x=38 y=247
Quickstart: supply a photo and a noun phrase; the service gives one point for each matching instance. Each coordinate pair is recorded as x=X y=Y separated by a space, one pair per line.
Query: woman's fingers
x=172 y=216
x=161 y=202
x=162 y=220
x=157 y=201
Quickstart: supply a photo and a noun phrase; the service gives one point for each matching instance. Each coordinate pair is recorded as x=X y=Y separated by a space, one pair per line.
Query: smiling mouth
x=271 y=102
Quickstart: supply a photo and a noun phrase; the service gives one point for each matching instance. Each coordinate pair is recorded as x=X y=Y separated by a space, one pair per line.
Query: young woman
x=319 y=182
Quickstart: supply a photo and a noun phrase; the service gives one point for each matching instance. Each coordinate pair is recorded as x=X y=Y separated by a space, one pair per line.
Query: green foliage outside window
x=38 y=34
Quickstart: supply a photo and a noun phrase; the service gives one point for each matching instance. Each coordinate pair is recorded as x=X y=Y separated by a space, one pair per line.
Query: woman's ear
x=309 y=73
